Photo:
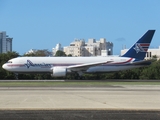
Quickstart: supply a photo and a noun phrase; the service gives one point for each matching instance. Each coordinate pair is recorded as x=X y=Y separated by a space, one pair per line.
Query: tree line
x=150 y=72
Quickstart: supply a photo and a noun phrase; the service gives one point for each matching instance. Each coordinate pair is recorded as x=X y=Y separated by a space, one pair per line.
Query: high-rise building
x=5 y=43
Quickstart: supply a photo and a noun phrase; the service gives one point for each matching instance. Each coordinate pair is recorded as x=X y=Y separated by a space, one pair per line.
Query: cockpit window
x=9 y=62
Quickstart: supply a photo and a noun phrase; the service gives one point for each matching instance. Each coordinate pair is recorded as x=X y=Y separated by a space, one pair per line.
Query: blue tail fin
x=139 y=49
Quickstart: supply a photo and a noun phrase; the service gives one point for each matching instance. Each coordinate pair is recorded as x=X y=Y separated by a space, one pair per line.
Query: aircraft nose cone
x=4 y=66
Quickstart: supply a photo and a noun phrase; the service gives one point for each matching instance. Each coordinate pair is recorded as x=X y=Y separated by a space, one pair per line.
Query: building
x=153 y=52
x=76 y=48
x=5 y=43
x=31 y=51
x=58 y=47
x=92 y=48
x=37 y=52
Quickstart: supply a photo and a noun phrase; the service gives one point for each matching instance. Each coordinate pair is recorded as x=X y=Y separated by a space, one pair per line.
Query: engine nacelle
x=59 y=72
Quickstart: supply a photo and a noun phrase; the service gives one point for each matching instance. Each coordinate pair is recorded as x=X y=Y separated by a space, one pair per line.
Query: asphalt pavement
x=123 y=102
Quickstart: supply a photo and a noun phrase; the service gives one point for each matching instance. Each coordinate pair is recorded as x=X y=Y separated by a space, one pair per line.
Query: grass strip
x=69 y=84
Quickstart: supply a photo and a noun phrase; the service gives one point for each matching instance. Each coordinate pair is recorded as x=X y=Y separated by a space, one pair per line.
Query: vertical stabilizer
x=139 y=49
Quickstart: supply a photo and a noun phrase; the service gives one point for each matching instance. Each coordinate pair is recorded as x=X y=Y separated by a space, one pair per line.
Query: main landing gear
x=79 y=75
x=16 y=75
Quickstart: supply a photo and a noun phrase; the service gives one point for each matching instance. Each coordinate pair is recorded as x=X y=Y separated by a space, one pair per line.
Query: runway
x=130 y=99
x=112 y=97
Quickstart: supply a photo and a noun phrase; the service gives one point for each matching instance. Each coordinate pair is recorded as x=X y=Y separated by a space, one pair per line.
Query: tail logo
x=141 y=47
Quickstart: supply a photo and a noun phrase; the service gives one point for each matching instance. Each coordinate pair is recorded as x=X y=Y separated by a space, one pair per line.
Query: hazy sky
x=41 y=24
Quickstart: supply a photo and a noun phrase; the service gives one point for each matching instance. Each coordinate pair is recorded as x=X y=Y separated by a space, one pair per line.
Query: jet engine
x=59 y=72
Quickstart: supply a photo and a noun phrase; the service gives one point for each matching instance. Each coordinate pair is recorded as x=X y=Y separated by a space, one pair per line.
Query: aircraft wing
x=83 y=67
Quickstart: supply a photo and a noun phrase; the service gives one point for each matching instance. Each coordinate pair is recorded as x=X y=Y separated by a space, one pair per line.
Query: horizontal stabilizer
x=142 y=62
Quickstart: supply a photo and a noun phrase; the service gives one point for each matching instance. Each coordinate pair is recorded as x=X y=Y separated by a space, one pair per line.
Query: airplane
x=61 y=66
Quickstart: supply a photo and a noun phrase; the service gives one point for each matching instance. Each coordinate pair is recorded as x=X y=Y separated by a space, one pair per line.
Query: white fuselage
x=46 y=64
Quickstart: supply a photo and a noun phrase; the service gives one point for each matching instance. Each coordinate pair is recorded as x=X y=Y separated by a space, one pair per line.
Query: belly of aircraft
x=110 y=68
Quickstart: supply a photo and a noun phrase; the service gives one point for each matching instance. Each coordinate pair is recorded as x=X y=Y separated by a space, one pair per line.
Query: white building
x=149 y=55
x=5 y=43
x=43 y=52
x=58 y=47
x=92 y=48
x=31 y=51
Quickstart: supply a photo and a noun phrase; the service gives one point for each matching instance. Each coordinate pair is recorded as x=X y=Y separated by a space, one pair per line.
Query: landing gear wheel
x=16 y=76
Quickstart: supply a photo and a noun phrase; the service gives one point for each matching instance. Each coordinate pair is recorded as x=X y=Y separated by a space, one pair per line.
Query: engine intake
x=59 y=72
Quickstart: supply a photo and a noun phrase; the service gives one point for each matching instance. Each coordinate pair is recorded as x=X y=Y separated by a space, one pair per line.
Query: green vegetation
x=69 y=84
x=39 y=53
x=3 y=59
x=60 y=53
x=149 y=73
